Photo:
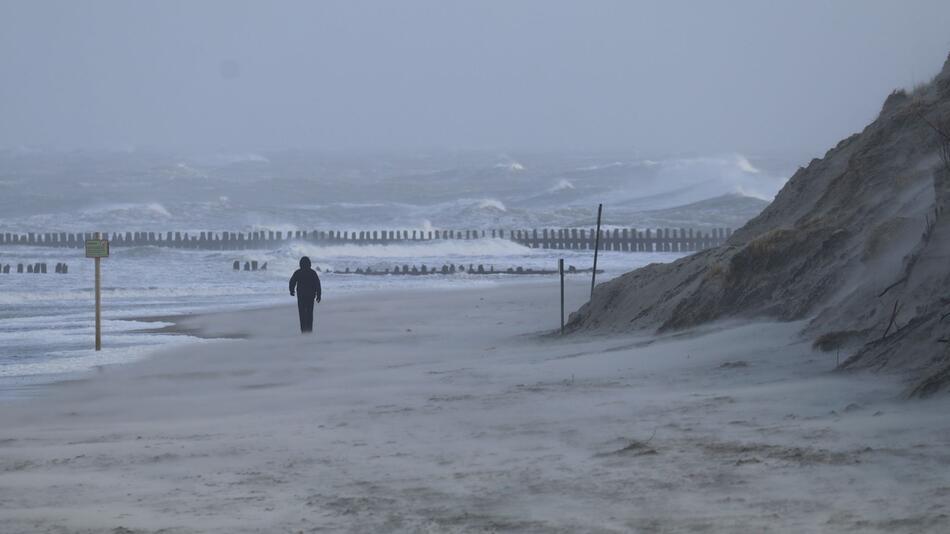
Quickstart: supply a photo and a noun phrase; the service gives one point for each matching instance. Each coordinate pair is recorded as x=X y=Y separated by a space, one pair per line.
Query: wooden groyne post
x=616 y=240
x=593 y=274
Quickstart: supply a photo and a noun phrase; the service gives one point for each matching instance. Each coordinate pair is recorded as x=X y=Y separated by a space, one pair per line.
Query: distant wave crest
x=744 y=165
x=492 y=204
x=562 y=185
x=151 y=209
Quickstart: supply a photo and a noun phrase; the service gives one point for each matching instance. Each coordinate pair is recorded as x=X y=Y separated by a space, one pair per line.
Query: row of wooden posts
x=249 y=266
x=618 y=239
x=38 y=268
x=449 y=268
x=456 y=269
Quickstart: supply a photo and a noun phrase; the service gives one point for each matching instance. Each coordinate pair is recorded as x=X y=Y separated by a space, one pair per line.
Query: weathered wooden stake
x=593 y=274
x=560 y=268
x=98 y=302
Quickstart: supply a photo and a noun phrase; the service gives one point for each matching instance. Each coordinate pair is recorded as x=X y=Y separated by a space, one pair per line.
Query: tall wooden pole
x=593 y=274
x=560 y=268
x=98 y=303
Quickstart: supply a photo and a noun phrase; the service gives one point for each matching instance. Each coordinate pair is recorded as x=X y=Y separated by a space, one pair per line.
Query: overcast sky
x=663 y=76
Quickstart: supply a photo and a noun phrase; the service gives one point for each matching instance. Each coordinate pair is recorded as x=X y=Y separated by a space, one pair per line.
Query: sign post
x=98 y=249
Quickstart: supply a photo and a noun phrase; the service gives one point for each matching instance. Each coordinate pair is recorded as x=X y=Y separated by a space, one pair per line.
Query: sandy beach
x=457 y=411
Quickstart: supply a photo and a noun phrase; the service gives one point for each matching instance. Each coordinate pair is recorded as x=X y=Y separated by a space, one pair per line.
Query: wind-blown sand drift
x=440 y=412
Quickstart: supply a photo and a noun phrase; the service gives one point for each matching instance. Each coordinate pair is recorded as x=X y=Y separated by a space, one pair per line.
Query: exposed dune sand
x=857 y=242
x=447 y=412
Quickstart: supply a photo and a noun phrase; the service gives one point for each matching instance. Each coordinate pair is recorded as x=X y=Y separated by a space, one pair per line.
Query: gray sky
x=664 y=76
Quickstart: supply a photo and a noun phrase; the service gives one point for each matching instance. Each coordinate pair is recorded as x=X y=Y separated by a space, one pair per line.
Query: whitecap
x=492 y=204
x=512 y=166
x=561 y=185
x=744 y=165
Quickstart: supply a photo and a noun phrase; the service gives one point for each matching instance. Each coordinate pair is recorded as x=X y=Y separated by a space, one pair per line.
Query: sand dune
x=856 y=242
x=451 y=412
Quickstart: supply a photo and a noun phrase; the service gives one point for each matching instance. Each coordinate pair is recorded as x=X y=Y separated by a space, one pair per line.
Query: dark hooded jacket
x=305 y=281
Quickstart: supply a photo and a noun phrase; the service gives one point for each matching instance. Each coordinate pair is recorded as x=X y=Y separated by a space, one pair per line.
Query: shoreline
x=181 y=325
x=196 y=324
x=178 y=326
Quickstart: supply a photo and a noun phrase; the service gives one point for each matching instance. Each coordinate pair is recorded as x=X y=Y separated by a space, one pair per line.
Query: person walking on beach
x=306 y=284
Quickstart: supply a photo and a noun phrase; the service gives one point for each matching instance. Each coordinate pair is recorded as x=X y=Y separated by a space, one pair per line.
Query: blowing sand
x=449 y=412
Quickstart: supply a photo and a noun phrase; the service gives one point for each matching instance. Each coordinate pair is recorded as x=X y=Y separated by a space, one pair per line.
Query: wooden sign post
x=98 y=249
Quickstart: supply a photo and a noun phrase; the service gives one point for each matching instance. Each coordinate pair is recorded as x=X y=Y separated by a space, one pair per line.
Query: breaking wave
x=562 y=185
x=513 y=166
x=149 y=209
x=744 y=165
x=492 y=204
x=442 y=248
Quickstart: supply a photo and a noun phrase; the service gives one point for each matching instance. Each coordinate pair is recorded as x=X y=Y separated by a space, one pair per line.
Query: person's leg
x=310 y=314
x=305 y=307
x=302 y=311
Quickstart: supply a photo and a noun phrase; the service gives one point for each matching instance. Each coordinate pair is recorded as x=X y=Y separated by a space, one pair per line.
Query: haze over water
x=47 y=319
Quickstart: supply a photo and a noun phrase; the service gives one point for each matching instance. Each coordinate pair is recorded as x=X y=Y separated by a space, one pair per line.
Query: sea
x=47 y=320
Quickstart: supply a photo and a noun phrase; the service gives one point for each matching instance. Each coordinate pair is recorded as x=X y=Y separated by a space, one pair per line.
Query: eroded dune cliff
x=857 y=242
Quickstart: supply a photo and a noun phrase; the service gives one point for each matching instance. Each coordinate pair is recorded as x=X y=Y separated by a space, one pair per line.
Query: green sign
x=97 y=248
